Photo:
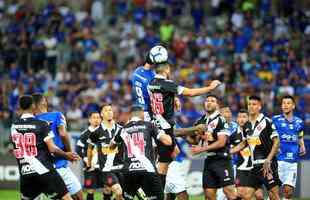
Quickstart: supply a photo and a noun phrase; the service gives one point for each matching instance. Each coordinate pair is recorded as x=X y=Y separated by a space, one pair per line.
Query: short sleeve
x=156 y=132
x=61 y=120
x=174 y=88
x=301 y=130
x=223 y=128
x=273 y=132
x=93 y=138
x=46 y=131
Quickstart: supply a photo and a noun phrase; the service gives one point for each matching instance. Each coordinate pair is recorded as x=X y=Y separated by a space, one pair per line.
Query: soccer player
x=177 y=170
x=140 y=80
x=218 y=172
x=162 y=93
x=263 y=140
x=243 y=159
x=33 y=145
x=290 y=129
x=136 y=138
x=57 y=122
x=233 y=127
x=108 y=159
x=91 y=178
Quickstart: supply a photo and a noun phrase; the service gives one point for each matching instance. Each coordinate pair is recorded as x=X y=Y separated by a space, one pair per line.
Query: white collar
x=213 y=115
x=260 y=117
x=92 y=129
x=27 y=115
x=135 y=119
x=106 y=128
x=160 y=76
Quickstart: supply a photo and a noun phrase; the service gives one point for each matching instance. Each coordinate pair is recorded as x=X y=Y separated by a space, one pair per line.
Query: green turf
x=14 y=195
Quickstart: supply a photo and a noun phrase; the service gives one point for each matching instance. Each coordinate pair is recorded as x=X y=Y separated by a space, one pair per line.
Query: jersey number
x=157 y=103
x=25 y=145
x=136 y=140
x=140 y=95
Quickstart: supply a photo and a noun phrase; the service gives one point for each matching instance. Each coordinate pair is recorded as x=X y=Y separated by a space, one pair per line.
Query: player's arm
x=301 y=143
x=274 y=150
x=200 y=91
x=53 y=149
x=160 y=135
x=164 y=138
x=219 y=143
x=89 y=155
x=238 y=147
x=190 y=131
x=64 y=137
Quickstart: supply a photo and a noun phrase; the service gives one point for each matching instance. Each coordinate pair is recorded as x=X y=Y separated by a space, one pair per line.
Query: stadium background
x=80 y=53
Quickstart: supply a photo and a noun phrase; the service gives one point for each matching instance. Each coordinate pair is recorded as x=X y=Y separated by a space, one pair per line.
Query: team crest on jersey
x=259 y=128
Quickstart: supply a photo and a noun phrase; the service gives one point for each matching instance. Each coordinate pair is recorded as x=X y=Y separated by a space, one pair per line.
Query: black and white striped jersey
x=28 y=136
x=259 y=137
x=243 y=159
x=82 y=144
x=136 y=138
x=216 y=125
x=108 y=159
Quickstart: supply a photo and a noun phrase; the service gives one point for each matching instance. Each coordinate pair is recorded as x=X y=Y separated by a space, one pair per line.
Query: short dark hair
x=255 y=97
x=37 y=98
x=288 y=97
x=92 y=112
x=136 y=108
x=25 y=102
x=243 y=111
x=160 y=66
x=104 y=105
x=214 y=96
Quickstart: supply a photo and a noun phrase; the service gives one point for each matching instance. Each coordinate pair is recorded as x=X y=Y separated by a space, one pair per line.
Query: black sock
x=163 y=180
x=107 y=196
x=90 y=196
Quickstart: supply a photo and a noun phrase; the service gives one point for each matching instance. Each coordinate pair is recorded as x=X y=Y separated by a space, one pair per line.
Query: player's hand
x=71 y=156
x=177 y=104
x=302 y=150
x=267 y=168
x=197 y=149
x=214 y=84
x=201 y=128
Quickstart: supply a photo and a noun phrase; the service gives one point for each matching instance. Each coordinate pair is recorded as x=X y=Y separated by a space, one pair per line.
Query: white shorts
x=287 y=173
x=176 y=176
x=71 y=181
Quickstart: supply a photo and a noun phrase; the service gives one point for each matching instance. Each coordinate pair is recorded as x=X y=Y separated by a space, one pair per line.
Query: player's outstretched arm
x=64 y=137
x=200 y=91
x=190 y=131
x=53 y=149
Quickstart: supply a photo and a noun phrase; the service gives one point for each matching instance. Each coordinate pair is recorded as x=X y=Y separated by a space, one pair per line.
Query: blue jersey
x=140 y=80
x=233 y=129
x=181 y=144
x=289 y=133
x=55 y=119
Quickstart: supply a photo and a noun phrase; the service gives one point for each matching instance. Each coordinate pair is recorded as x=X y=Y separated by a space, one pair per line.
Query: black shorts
x=244 y=178
x=49 y=183
x=270 y=181
x=92 y=179
x=149 y=182
x=217 y=173
x=165 y=152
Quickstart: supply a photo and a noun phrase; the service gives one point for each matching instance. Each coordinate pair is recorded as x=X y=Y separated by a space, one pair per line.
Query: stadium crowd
x=79 y=57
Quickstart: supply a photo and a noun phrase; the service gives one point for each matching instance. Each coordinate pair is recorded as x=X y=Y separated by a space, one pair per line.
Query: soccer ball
x=158 y=54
